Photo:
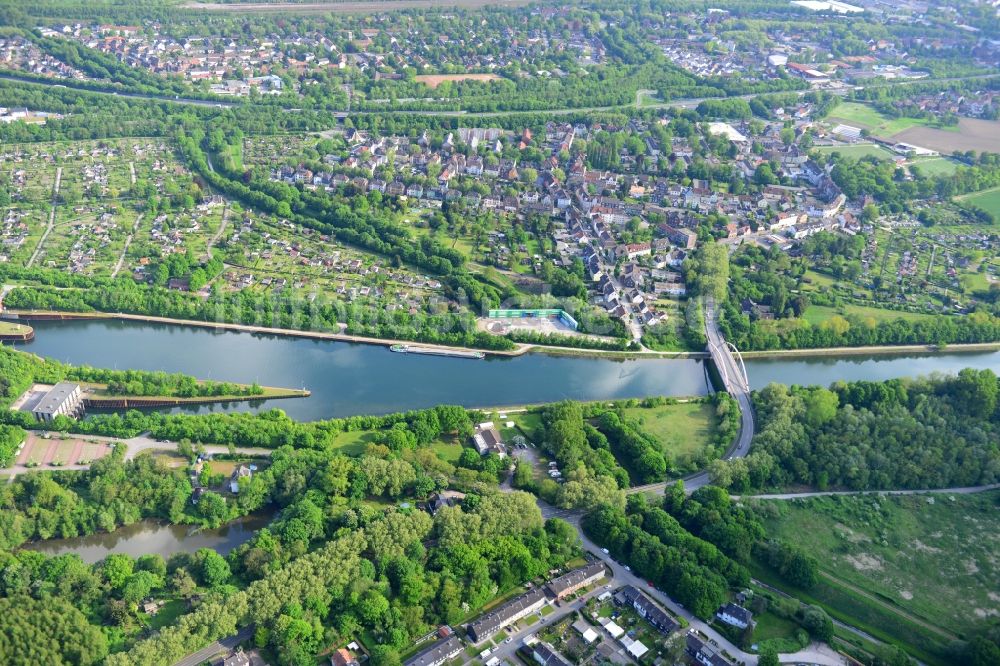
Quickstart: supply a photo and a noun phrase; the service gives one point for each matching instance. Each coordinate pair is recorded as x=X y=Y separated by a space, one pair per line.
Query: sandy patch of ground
x=924 y=548
x=865 y=562
x=847 y=533
x=434 y=80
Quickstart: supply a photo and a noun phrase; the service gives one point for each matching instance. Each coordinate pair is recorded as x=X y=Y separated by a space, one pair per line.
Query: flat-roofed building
x=438 y=653
x=569 y=583
x=63 y=399
x=509 y=613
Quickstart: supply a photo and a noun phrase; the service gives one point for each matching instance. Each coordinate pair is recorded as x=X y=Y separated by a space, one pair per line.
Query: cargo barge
x=434 y=351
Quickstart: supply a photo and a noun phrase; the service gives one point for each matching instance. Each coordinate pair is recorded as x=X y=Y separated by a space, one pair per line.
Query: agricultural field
x=970 y=134
x=817 y=314
x=929 y=559
x=988 y=200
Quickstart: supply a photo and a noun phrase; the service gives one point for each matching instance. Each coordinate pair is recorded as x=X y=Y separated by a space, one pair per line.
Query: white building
x=63 y=399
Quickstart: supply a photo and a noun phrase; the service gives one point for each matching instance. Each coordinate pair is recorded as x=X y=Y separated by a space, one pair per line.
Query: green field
x=929 y=560
x=778 y=632
x=684 y=428
x=858 y=151
x=866 y=117
x=936 y=166
x=353 y=443
x=817 y=314
x=988 y=200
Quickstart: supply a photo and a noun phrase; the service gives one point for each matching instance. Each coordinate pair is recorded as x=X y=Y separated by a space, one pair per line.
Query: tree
x=977 y=391
x=372 y=608
x=768 y=657
x=819 y=625
x=213 y=568
x=821 y=406
x=117 y=568
x=385 y=655
x=47 y=631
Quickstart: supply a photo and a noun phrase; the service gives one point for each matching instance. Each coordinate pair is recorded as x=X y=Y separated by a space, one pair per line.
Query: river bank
x=155 y=537
x=869 y=351
x=522 y=348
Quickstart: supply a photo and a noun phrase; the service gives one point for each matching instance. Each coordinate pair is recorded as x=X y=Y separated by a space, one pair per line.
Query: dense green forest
x=935 y=432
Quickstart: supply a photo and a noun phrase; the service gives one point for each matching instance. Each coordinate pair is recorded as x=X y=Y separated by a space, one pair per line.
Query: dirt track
x=347 y=7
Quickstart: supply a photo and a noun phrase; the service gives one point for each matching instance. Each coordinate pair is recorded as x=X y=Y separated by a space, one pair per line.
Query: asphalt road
x=737 y=386
x=816 y=653
x=218 y=647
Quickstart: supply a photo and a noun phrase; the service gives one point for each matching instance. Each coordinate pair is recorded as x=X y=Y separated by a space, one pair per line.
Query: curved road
x=736 y=384
x=816 y=653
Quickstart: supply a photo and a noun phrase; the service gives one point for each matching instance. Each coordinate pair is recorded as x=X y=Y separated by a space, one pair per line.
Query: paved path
x=52 y=220
x=218 y=234
x=128 y=241
x=133 y=446
x=965 y=490
x=218 y=647
x=144 y=442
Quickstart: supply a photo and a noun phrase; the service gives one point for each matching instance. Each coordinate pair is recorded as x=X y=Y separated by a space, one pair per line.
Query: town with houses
x=480 y=333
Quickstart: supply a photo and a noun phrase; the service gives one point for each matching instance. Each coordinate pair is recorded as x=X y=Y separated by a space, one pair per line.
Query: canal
x=148 y=537
x=347 y=379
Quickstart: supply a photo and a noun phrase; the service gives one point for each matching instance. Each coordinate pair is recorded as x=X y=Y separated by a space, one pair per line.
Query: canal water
x=347 y=379
x=148 y=537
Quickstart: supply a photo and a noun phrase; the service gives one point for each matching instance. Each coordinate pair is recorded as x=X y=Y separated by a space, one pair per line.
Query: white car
x=605 y=551
x=628 y=568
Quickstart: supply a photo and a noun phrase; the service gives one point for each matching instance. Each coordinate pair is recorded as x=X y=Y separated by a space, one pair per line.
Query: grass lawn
x=447 y=449
x=936 y=166
x=168 y=614
x=867 y=117
x=776 y=631
x=353 y=443
x=10 y=328
x=817 y=280
x=816 y=314
x=988 y=200
x=684 y=429
x=930 y=557
x=858 y=151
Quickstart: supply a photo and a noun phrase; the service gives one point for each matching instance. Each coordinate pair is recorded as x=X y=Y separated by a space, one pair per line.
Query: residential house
x=486 y=439
x=735 y=616
x=569 y=583
x=507 y=614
